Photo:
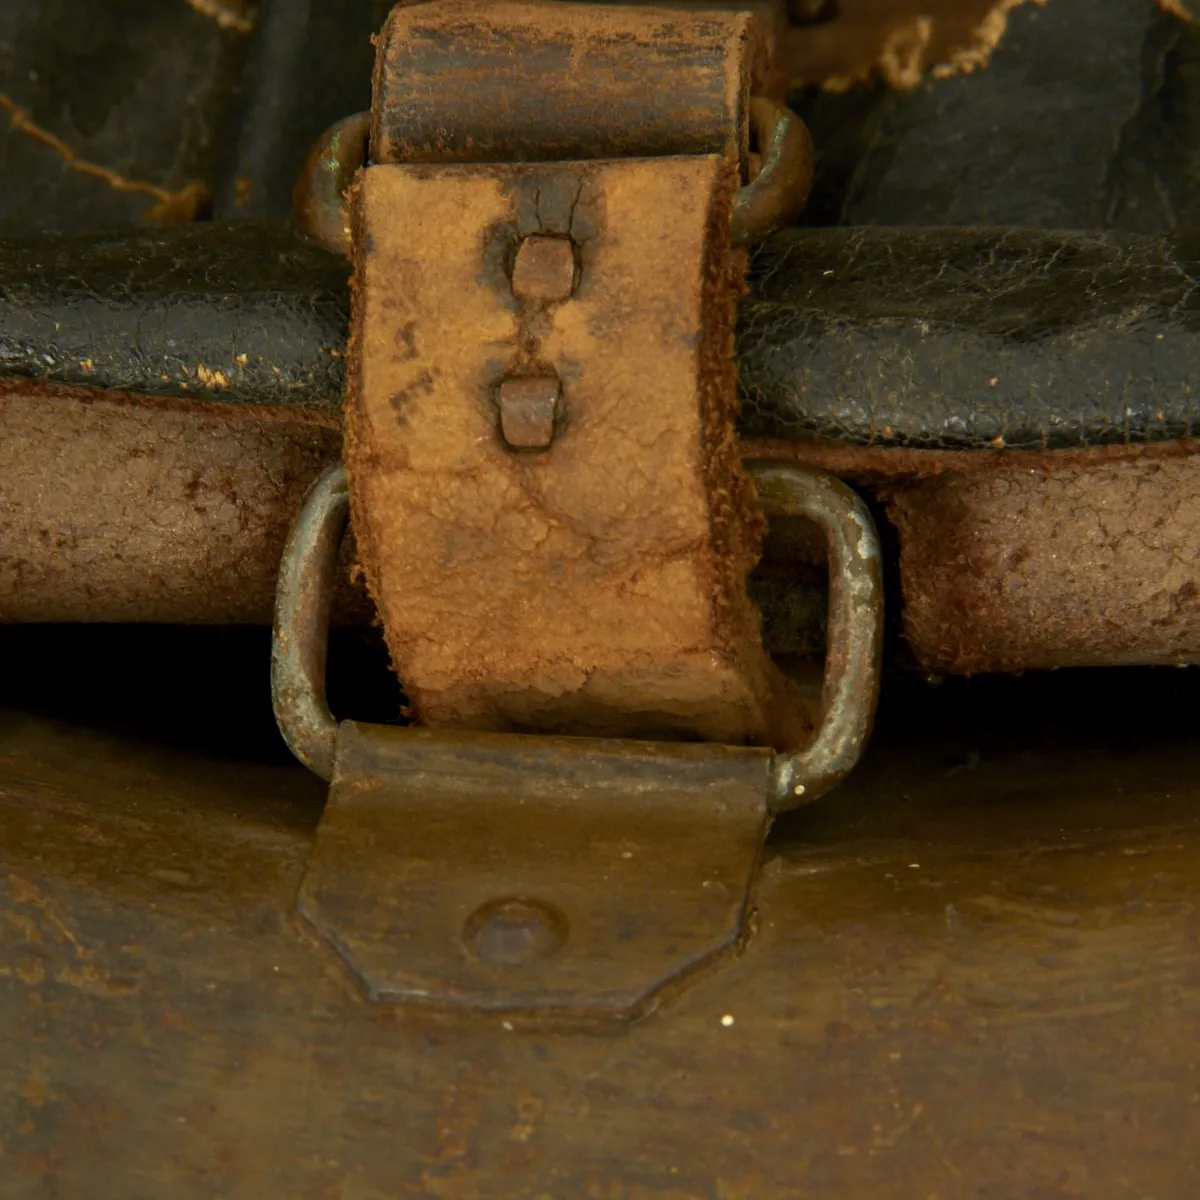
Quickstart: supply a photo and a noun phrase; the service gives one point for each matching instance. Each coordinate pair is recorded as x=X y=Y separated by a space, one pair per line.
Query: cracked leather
x=965 y=338
x=223 y=98
x=239 y=312
x=595 y=585
x=951 y=338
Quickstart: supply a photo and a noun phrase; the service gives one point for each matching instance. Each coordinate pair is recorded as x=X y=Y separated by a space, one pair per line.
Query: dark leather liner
x=240 y=312
x=966 y=338
x=951 y=338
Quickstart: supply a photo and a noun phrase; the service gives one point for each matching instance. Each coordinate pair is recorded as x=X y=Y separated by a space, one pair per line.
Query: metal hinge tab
x=552 y=516
x=569 y=878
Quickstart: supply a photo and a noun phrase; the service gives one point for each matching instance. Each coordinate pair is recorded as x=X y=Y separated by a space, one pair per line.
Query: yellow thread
x=226 y=15
x=171 y=207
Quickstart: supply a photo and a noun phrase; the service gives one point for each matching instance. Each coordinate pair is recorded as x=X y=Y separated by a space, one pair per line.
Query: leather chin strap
x=544 y=476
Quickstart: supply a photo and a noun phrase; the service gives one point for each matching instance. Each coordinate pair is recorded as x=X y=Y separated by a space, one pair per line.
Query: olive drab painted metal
x=552 y=516
x=517 y=874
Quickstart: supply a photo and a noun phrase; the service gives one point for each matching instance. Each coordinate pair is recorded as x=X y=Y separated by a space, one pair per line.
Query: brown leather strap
x=544 y=477
x=554 y=81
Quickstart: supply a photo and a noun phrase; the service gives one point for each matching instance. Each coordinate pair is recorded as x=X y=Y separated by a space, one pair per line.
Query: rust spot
x=527 y=411
x=529 y=1113
x=84 y=974
x=31 y=972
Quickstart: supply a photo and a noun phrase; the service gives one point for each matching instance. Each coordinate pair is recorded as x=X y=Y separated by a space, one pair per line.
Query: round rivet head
x=515 y=931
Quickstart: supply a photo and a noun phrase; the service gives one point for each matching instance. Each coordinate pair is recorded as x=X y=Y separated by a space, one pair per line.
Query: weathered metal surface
x=528 y=407
x=319 y=205
x=545 y=269
x=304 y=600
x=854 y=634
x=525 y=875
x=776 y=196
x=1014 y=1016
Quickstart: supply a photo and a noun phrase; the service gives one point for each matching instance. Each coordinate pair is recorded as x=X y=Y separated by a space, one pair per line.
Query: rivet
x=515 y=931
x=544 y=269
x=527 y=409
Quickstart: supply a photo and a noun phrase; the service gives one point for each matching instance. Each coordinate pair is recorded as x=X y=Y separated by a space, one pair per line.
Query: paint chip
x=211 y=379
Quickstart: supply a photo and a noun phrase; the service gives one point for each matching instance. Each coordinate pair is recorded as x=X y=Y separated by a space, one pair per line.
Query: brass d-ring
x=319 y=197
x=777 y=195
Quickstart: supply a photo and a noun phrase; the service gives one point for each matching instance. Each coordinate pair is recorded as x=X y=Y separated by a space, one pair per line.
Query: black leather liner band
x=950 y=338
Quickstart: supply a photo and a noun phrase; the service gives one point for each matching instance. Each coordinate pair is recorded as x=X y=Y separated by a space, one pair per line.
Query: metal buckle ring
x=778 y=193
x=319 y=205
x=303 y=601
x=854 y=632
x=854 y=639
x=769 y=202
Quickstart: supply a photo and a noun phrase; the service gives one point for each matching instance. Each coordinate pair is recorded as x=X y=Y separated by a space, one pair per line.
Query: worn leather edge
x=526 y=82
x=871 y=465
x=647 y=614
x=897 y=41
x=118 y=508
x=844 y=335
x=972 y=338
x=96 y=487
